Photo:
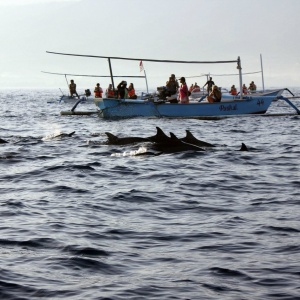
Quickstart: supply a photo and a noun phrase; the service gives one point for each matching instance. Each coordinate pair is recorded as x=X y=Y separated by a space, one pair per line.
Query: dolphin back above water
x=3 y=141
x=164 y=143
x=173 y=144
x=114 y=140
x=189 y=138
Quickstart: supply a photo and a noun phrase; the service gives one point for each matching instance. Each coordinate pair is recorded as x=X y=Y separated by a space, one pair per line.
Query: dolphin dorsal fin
x=189 y=135
x=174 y=137
x=71 y=133
x=111 y=137
x=244 y=147
x=160 y=133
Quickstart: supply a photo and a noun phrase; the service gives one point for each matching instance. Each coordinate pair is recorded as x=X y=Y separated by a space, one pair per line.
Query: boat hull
x=125 y=108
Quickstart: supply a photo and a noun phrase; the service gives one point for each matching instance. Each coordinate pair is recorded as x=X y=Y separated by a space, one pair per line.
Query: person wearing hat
x=72 y=88
x=98 y=91
x=172 y=85
x=183 y=92
x=233 y=90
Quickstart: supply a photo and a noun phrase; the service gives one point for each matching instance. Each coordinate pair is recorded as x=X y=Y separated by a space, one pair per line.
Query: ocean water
x=84 y=220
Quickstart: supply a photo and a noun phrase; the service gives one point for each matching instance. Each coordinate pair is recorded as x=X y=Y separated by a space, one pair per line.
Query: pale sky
x=201 y=30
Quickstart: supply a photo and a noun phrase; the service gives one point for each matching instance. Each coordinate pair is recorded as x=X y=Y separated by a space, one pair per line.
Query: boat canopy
x=238 y=61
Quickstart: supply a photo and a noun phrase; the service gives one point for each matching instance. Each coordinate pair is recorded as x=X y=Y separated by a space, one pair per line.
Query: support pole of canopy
x=146 y=81
x=239 y=67
x=111 y=74
x=262 y=74
x=67 y=83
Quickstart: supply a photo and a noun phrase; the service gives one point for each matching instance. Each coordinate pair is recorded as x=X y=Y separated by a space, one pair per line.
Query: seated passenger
x=215 y=95
x=131 y=92
x=252 y=87
x=191 y=87
x=110 y=93
x=245 y=90
x=196 y=88
x=98 y=91
x=233 y=90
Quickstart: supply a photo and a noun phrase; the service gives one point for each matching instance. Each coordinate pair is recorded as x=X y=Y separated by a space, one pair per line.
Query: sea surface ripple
x=86 y=220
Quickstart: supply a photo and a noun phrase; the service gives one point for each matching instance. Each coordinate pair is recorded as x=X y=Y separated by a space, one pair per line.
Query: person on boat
x=172 y=85
x=183 y=92
x=209 y=85
x=110 y=93
x=245 y=90
x=122 y=89
x=215 y=95
x=196 y=88
x=72 y=88
x=252 y=87
x=87 y=92
x=233 y=90
x=131 y=92
x=191 y=87
x=98 y=91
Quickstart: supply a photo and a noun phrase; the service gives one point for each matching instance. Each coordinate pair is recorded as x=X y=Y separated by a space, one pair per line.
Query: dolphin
x=189 y=138
x=55 y=136
x=64 y=135
x=244 y=147
x=114 y=140
x=3 y=141
x=173 y=144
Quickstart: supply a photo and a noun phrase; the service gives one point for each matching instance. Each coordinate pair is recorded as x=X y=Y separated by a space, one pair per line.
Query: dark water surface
x=80 y=223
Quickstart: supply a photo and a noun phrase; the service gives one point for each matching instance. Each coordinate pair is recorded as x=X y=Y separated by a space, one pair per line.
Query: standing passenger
x=183 y=92
x=209 y=84
x=122 y=89
x=172 y=85
x=72 y=88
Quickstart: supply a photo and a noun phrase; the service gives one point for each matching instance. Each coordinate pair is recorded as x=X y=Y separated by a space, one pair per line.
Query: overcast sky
x=202 y=30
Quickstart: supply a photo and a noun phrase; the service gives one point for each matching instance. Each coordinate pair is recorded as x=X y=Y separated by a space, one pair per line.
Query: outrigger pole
x=262 y=74
x=239 y=67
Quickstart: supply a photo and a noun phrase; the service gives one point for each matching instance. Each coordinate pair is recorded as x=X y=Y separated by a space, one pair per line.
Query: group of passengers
x=250 y=89
x=122 y=91
x=172 y=88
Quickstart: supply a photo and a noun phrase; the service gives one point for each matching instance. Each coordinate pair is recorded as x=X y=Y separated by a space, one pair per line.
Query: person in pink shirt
x=183 y=92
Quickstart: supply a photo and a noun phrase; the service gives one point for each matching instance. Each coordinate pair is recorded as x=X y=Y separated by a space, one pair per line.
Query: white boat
x=69 y=99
